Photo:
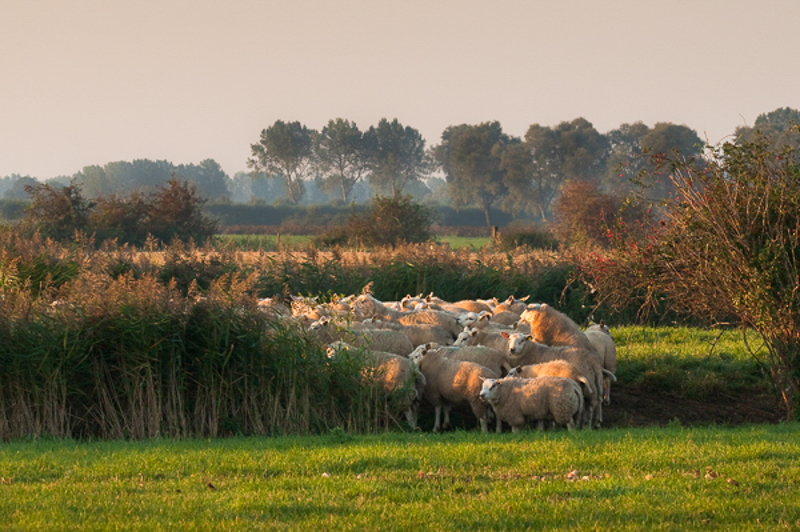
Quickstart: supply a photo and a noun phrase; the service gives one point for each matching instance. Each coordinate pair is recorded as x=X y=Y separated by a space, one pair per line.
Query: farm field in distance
x=270 y=242
x=670 y=478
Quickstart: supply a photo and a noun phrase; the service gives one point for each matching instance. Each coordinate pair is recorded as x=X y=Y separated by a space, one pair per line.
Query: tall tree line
x=471 y=165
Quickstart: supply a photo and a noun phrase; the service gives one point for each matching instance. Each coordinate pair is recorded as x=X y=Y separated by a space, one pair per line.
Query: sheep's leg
x=514 y=429
x=411 y=417
x=597 y=418
x=438 y=413
x=484 y=425
x=446 y=424
x=540 y=425
x=607 y=390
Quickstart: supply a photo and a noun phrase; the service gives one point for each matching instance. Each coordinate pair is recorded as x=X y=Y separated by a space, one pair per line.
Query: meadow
x=669 y=478
x=145 y=388
x=298 y=242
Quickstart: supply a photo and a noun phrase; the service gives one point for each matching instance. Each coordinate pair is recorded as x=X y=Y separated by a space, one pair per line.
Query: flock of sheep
x=517 y=362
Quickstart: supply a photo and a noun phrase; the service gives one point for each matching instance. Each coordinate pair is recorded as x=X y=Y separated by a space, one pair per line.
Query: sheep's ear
x=510 y=299
x=524 y=299
x=504 y=334
x=530 y=338
x=473 y=332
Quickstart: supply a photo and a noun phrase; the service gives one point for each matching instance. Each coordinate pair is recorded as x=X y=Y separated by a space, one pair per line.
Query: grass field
x=674 y=478
x=269 y=242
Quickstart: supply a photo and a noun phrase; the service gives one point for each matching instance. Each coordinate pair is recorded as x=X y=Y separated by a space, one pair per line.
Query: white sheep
x=523 y=350
x=366 y=306
x=397 y=376
x=601 y=339
x=493 y=359
x=489 y=337
x=327 y=331
x=554 y=368
x=517 y=401
x=551 y=327
x=452 y=382
x=419 y=334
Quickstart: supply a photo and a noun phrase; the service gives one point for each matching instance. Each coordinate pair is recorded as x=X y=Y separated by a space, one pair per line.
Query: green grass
x=674 y=478
x=458 y=242
x=697 y=363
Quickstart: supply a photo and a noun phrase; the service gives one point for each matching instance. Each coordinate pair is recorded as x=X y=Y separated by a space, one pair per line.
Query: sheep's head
x=465 y=337
x=513 y=372
x=467 y=319
x=490 y=390
x=516 y=342
x=416 y=355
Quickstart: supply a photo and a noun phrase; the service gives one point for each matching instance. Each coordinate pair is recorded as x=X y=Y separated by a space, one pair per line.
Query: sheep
x=419 y=334
x=451 y=382
x=553 y=368
x=552 y=327
x=366 y=306
x=513 y=305
x=516 y=400
x=488 y=337
x=493 y=359
x=396 y=374
x=327 y=331
x=601 y=339
x=471 y=305
x=523 y=350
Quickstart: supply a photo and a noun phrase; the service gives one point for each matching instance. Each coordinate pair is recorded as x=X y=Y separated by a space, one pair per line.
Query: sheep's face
x=467 y=319
x=490 y=390
x=416 y=355
x=516 y=342
x=464 y=337
x=513 y=372
x=319 y=324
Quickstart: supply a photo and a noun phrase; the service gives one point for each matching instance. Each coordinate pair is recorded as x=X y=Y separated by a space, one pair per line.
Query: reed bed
x=117 y=342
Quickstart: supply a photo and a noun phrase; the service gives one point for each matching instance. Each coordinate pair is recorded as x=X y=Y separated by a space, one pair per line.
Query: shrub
x=530 y=236
x=726 y=251
x=388 y=222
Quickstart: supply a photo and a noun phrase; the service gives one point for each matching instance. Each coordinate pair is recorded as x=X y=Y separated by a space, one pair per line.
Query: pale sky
x=92 y=81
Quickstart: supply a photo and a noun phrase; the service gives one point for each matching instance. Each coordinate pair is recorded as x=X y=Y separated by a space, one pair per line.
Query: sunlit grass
x=687 y=360
x=632 y=479
x=459 y=242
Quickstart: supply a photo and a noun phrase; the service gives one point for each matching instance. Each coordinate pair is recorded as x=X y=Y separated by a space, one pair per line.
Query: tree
x=342 y=156
x=471 y=159
x=121 y=217
x=285 y=150
x=581 y=150
x=211 y=181
x=93 y=181
x=726 y=251
x=18 y=189
x=548 y=157
x=57 y=212
x=781 y=125
x=175 y=210
x=397 y=156
x=629 y=168
x=391 y=221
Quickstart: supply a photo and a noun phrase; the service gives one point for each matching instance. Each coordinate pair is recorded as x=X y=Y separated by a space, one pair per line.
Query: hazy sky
x=87 y=82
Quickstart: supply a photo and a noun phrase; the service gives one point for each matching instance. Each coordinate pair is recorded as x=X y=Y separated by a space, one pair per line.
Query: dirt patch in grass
x=633 y=406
